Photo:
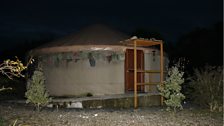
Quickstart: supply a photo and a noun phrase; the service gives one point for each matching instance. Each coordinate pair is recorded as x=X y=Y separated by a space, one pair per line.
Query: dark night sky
x=30 y=19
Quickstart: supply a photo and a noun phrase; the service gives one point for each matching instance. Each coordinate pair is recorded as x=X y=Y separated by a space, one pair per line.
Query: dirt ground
x=154 y=116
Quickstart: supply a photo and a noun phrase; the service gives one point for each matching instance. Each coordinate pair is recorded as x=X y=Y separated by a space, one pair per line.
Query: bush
x=1 y=121
x=36 y=91
x=207 y=83
x=171 y=89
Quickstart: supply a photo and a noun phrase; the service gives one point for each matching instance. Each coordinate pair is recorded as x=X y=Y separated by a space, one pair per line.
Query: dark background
x=192 y=29
x=189 y=28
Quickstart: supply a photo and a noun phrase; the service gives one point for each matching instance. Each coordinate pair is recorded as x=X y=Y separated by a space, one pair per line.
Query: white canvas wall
x=80 y=78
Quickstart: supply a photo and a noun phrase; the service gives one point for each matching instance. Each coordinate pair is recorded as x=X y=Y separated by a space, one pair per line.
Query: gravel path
x=154 y=116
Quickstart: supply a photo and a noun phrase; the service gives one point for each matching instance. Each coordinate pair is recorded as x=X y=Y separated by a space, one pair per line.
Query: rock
x=75 y=105
x=99 y=107
x=50 y=105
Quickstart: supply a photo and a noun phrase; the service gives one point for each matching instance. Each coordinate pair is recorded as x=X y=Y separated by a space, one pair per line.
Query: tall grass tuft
x=207 y=83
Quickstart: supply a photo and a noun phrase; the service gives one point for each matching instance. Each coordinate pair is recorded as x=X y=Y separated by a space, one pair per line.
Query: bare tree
x=13 y=68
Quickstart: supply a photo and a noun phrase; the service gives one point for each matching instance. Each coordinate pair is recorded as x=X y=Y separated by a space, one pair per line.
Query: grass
x=1 y=121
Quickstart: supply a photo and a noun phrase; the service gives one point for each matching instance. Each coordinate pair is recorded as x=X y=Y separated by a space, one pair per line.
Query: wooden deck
x=107 y=101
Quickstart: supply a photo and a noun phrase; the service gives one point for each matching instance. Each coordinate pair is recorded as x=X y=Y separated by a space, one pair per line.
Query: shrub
x=36 y=91
x=1 y=121
x=207 y=83
x=171 y=90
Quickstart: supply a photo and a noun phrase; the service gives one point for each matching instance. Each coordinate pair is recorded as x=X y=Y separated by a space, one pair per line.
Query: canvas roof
x=94 y=37
x=97 y=34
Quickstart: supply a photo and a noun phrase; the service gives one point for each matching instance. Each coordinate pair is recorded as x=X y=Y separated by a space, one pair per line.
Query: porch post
x=135 y=77
x=161 y=69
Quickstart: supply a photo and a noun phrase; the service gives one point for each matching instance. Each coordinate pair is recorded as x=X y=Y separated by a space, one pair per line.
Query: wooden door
x=129 y=70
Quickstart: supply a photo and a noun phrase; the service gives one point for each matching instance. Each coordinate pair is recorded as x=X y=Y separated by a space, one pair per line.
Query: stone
x=75 y=105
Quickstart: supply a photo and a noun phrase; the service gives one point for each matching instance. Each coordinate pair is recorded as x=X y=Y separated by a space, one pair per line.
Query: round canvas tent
x=91 y=61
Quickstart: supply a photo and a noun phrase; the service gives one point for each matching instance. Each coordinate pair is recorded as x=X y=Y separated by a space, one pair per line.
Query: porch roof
x=141 y=42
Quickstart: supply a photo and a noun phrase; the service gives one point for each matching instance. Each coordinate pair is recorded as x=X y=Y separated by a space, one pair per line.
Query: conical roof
x=97 y=34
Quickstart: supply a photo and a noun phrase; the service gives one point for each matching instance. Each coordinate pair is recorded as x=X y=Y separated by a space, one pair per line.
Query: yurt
x=97 y=61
